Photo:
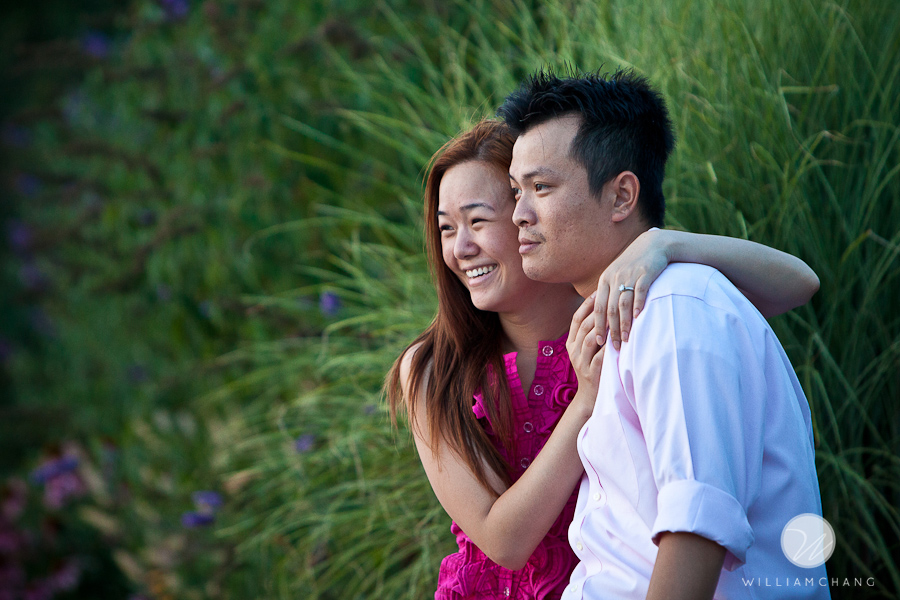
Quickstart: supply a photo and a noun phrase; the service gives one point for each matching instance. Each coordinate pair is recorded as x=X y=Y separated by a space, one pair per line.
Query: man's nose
x=523 y=215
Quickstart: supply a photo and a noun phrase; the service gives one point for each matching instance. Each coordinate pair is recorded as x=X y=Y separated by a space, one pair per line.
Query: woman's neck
x=546 y=318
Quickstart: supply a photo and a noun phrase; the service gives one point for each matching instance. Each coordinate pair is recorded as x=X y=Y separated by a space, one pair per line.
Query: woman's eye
x=516 y=192
x=444 y=228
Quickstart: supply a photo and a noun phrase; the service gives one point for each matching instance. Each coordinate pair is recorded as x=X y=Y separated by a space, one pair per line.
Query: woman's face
x=479 y=241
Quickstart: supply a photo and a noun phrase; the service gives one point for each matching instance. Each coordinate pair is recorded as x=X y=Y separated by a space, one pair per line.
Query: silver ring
x=626 y=288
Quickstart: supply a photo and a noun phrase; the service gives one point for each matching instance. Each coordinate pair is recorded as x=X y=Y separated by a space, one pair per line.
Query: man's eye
x=539 y=187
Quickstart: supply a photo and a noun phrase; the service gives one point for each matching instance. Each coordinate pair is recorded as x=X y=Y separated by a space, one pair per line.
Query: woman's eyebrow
x=468 y=207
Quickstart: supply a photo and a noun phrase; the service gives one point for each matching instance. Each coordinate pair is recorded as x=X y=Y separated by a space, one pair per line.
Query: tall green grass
x=787 y=119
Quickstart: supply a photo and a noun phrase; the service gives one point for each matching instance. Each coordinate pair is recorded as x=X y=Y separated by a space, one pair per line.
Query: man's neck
x=587 y=285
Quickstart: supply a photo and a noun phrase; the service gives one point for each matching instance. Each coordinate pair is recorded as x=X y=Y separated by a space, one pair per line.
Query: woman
x=500 y=452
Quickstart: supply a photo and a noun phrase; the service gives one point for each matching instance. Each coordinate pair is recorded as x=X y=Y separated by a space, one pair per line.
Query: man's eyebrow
x=537 y=172
x=468 y=207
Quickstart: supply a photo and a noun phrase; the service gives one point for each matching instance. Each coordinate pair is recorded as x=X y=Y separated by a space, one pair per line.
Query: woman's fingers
x=626 y=301
x=612 y=318
x=600 y=303
x=581 y=327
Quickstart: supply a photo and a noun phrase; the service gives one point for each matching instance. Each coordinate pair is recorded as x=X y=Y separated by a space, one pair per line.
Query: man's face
x=562 y=226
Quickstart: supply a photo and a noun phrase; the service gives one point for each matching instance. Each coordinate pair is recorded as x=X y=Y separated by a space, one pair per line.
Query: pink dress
x=469 y=574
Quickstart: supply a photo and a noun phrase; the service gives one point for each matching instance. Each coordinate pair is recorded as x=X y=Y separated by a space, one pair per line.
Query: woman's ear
x=625 y=189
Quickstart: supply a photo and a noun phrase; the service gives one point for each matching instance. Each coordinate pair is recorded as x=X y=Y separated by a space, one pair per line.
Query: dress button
x=528 y=427
x=538 y=390
x=525 y=462
x=547 y=350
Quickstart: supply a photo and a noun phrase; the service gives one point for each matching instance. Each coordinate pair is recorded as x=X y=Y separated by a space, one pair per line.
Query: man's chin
x=541 y=273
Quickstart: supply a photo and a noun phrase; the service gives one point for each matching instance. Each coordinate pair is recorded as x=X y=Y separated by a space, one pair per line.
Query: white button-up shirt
x=700 y=426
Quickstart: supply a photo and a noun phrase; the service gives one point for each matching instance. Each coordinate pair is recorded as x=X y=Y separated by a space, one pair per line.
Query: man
x=699 y=450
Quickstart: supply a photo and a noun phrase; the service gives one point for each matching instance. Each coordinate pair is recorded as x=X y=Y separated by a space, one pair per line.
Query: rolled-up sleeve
x=701 y=420
x=695 y=507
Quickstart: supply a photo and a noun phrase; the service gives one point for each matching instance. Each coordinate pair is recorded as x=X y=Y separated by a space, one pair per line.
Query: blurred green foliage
x=215 y=254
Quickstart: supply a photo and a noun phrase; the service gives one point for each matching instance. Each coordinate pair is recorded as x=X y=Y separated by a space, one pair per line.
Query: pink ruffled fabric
x=469 y=574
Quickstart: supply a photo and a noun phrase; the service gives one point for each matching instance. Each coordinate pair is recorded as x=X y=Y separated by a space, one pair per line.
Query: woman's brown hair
x=457 y=353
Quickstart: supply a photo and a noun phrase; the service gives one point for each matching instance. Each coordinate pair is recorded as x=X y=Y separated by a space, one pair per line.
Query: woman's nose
x=464 y=245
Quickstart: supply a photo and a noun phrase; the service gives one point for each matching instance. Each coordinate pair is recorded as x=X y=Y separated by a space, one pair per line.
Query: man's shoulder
x=709 y=286
x=686 y=279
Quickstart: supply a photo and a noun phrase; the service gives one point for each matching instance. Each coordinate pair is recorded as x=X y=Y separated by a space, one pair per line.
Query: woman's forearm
x=521 y=517
x=774 y=281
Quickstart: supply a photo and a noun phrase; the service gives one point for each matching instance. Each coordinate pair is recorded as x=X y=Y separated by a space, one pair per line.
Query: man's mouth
x=473 y=273
x=526 y=244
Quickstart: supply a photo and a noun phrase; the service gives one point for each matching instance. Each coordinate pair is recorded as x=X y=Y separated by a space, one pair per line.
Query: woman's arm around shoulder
x=774 y=281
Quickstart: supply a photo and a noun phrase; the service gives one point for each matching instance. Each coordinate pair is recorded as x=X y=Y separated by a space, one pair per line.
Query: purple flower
x=304 y=443
x=28 y=185
x=95 y=44
x=19 y=236
x=12 y=576
x=15 y=136
x=12 y=541
x=163 y=292
x=73 y=107
x=146 y=218
x=137 y=373
x=38 y=590
x=192 y=520
x=60 y=489
x=54 y=468
x=66 y=577
x=174 y=9
x=207 y=501
x=329 y=303
x=32 y=278
x=41 y=322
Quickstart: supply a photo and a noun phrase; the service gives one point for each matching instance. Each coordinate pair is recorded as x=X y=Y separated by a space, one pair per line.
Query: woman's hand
x=635 y=268
x=586 y=355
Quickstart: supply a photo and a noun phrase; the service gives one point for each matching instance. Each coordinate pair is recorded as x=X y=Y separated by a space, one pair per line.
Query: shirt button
x=528 y=427
x=525 y=462
x=579 y=546
x=573 y=588
x=547 y=350
x=597 y=496
x=538 y=390
x=506 y=592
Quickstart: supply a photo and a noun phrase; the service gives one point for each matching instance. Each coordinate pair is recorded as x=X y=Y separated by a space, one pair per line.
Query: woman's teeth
x=480 y=271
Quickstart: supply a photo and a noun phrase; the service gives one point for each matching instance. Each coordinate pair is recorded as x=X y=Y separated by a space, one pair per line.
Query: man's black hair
x=625 y=126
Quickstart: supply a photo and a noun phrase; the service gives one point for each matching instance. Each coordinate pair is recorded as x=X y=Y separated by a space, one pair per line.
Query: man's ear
x=625 y=189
